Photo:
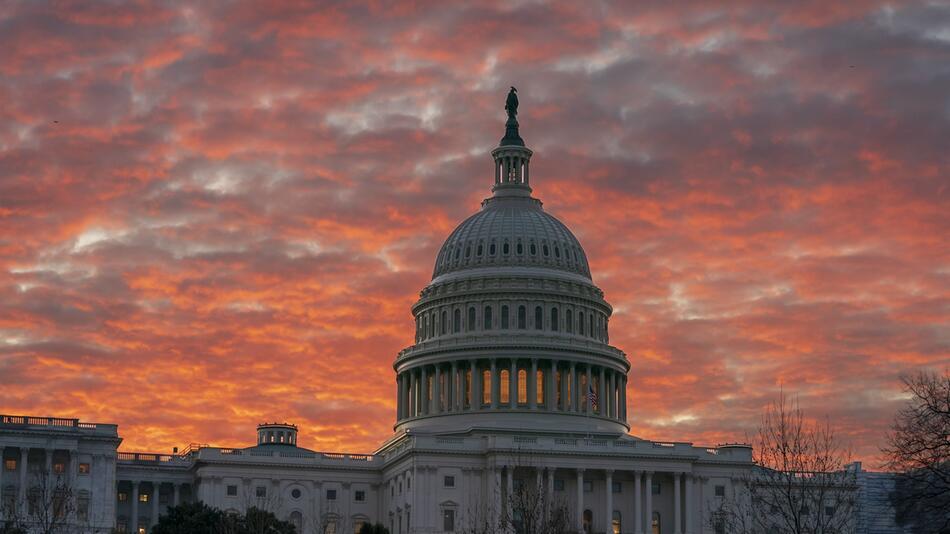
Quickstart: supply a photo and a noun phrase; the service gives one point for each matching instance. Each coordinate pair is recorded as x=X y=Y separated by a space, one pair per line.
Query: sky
x=218 y=214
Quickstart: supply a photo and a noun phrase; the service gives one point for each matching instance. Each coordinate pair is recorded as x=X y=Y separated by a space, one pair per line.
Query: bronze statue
x=511 y=103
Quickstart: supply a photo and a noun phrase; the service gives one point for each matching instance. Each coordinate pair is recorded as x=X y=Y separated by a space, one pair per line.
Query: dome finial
x=512 y=138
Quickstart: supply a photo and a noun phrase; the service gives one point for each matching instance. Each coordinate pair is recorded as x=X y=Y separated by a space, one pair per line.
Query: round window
x=295 y=493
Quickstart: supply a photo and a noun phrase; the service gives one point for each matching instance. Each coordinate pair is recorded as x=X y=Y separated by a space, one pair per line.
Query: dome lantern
x=512 y=157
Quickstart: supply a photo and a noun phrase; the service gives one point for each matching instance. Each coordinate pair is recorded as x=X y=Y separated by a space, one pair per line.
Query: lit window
x=331 y=494
x=522 y=386
x=448 y=481
x=83 y=469
x=9 y=465
x=616 y=523
x=504 y=385
x=359 y=495
x=122 y=496
x=143 y=497
x=59 y=467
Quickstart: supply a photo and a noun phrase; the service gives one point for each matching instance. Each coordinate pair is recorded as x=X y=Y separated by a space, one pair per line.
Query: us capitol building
x=511 y=381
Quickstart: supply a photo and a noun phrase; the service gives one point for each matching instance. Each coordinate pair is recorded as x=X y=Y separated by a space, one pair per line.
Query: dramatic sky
x=212 y=215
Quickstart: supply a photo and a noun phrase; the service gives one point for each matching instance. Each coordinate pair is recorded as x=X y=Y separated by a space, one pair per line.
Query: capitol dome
x=511 y=332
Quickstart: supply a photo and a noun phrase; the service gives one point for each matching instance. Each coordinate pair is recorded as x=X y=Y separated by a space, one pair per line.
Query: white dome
x=511 y=231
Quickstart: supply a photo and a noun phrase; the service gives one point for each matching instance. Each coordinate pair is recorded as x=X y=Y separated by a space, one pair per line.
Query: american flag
x=591 y=396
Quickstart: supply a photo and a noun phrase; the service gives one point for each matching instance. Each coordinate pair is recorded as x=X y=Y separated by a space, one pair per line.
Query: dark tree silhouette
x=918 y=447
x=377 y=528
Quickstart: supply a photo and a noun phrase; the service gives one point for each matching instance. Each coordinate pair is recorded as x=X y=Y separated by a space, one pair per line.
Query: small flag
x=591 y=396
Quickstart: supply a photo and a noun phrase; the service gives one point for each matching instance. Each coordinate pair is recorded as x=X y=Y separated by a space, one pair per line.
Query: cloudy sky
x=217 y=215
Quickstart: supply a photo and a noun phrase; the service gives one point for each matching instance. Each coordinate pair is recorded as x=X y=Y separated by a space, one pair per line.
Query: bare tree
x=918 y=446
x=50 y=506
x=800 y=484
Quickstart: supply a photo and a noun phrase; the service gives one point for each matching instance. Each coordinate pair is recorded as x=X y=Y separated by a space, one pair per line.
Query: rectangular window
x=331 y=494
x=656 y=488
x=83 y=469
x=504 y=386
x=720 y=491
x=122 y=496
x=558 y=484
x=232 y=491
x=448 y=520
x=539 y=388
x=588 y=486
x=359 y=495
x=617 y=487
x=448 y=481
x=121 y=525
x=143 y=497
x=260 y=491
x=59 y=468
x=82 y=508
x=830 y=511
x=9 y=464
x=486 y=387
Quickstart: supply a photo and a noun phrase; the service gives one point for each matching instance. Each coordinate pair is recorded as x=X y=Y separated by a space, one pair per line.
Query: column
x=513 y=385
x=3 y=511
x=590 y=384
x=550 y=395
x=399 y=397
x=612 y=391
x=454 y=386
x=135 y=507
x=623 y=398
x=677 y=522
x=48 y=454
x=575 y=383
x=155 y=492
x=609 y=486
x=475 y=401
x=495 y=391
x=550 y=494
x=603 y=399
x=437 y=389
x=648 y=488
x=496 y=499
x=532 y=379
x=24 y=458
x=637 y=516
x=579 y=511
x=509 y=492
x=565 y=377
x=176 y=495
x=688 y=480
x=424 y=393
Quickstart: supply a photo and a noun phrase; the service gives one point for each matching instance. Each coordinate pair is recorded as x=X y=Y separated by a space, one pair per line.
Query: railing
x=148 y=457
x=513 y=337
x=56 y=423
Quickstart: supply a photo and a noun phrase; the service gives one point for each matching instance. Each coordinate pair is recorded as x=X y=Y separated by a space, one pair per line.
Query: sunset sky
x=215 y=215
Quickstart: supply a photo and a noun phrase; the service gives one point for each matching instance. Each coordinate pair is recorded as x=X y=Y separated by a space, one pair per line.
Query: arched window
x=444 y=323
x=432 y=325
x=478 y=252
x=591 y=329
x=486 y=387
x=491 y=249
x=504 y=386
x=557 y=252
x=554 y=320
x=656 y=523
x=504 y=249
x=522 y=386
x=522 y=318
x=520 y=248
x=534 y=249
x=487 y=318
x=425 y=326
x=504 y=317
x=544 y=249
x=580 y=323
x=296 y=519
x=616 y=523
x=468 y=251
x=471 y=319
x=538 y=318
x=569 y=321
x=457 y=321
x=588 y=520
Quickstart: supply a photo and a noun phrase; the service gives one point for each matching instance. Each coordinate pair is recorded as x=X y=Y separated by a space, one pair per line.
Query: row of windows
x=10 y=464
x=589 y=323
x=261 y=491
x=558 y=252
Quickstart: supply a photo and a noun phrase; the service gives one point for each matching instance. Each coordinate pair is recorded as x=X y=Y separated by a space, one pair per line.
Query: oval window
x=295 y=493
